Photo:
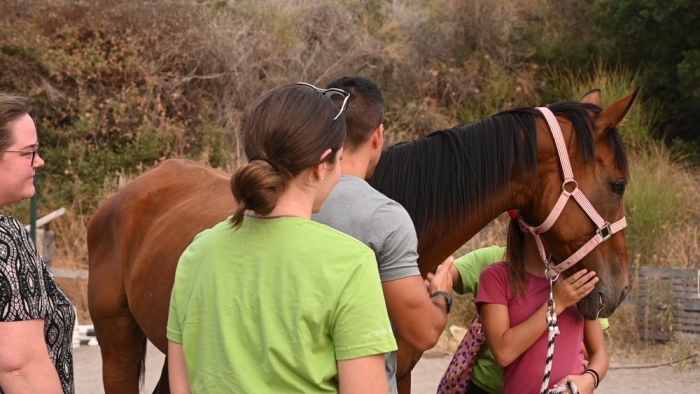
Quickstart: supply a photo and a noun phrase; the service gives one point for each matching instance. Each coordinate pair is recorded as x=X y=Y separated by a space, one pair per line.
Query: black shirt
x=28 y=291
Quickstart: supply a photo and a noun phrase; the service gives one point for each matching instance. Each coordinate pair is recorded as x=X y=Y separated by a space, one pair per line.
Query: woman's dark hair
x=12 y=108
x=286 y=131
x=514 y=256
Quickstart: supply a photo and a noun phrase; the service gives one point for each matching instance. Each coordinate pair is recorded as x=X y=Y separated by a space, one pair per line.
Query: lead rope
x=553 y=331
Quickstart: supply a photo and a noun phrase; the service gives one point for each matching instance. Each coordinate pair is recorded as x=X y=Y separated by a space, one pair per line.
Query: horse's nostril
x=623 y=295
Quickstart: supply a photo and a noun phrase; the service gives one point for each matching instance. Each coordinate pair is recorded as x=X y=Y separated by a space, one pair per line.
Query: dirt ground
x=427 y=374
x=661 y=380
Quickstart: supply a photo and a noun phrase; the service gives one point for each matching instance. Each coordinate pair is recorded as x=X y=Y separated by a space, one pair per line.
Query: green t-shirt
x=270 y=307
x=487 y=374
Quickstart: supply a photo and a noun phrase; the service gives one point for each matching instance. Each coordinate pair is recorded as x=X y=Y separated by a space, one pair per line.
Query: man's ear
x=378 y=136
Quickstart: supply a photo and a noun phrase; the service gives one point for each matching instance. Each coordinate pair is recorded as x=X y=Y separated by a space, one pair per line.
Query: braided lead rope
x=564 y=388
x=553 y=331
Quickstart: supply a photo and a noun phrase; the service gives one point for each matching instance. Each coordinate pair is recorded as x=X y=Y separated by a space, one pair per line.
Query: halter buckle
x=605 y=229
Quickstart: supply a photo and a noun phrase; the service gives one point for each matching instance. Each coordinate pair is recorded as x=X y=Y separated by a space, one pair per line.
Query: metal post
x=33 y=208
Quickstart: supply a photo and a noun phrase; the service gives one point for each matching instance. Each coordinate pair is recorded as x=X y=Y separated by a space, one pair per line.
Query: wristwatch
x=448 y=299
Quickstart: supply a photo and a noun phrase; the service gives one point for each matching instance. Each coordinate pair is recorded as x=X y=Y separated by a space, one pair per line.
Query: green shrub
x=661 y=39
x=614 y=83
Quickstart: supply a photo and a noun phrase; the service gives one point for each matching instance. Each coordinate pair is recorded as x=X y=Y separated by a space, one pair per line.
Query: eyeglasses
x=33 y=151
x=330 y=93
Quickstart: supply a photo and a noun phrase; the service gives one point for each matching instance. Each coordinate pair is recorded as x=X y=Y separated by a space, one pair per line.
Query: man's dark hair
x=365 y=109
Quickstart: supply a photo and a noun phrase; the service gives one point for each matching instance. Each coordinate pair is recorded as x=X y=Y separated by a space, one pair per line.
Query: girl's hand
x=571 y=290
x=584 y=383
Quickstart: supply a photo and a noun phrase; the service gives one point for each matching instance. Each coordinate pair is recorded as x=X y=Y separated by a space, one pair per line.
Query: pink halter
x=605 y=229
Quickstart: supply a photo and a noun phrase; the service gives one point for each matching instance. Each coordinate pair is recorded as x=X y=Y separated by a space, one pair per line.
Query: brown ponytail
x=286 y=131
x=516 y=264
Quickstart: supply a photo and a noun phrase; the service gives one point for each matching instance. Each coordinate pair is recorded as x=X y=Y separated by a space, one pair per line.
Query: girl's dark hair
x=286 y=131
x=514 y=256
x=12 y=108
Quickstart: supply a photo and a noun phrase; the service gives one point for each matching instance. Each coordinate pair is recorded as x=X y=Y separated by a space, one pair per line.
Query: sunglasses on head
x=332 y=94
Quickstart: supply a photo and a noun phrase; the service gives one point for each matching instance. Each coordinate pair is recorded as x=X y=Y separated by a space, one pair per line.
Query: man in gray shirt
x=355 y=208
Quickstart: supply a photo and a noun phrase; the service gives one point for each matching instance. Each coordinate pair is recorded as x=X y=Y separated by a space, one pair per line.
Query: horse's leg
x=163 y=386
x=407 y=358
x=404 y=385
x=122 y=343
x=123 y=348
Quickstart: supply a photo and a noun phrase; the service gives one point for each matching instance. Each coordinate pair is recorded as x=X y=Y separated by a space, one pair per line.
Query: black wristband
x=448 y=299
x=596 y=377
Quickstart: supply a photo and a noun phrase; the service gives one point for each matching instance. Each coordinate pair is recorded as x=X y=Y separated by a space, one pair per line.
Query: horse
x=452 y=182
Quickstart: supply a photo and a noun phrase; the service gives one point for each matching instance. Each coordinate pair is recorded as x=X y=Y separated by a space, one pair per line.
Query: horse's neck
x=439 y=243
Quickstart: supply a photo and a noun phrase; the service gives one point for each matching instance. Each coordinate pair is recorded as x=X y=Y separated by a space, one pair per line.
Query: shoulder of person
x=495 y=253
x=335 y=238
x=381 y=201
x=499 y=269
x=483 y=256
x=14 y=228
x=9 y=224
x=206 y=236
x=393 y=212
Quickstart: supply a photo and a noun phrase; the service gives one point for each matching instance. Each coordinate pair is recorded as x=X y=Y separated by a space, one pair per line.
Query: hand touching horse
x=452 y=182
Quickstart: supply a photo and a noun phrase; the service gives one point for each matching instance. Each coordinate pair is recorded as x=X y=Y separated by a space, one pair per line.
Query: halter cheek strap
x=604 y=230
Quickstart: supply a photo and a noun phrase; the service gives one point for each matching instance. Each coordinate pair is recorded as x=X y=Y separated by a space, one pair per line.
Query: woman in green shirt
x=269 y=301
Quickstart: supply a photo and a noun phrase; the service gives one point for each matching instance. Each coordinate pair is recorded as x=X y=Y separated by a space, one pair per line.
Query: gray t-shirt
x=356 y=209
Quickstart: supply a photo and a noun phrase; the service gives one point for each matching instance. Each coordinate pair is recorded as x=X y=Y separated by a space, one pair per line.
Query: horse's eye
x=618 y=187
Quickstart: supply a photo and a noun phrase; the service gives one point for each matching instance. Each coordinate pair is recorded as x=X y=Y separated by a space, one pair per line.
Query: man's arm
x=418 y=318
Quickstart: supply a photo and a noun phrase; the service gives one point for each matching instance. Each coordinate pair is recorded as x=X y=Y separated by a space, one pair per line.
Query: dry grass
x=625 y=347
x=122 y=85
x=662 y=213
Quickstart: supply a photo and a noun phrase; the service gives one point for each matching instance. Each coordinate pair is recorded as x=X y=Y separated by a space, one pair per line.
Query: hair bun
x=255 y=186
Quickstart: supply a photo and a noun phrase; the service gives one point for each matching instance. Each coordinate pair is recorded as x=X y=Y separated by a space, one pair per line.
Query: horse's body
x=452 y=183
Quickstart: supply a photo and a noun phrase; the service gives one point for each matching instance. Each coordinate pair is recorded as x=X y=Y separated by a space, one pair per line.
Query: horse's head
x=585 y=235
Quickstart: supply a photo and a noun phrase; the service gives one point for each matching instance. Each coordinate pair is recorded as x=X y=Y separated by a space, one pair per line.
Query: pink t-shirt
x=524 y=375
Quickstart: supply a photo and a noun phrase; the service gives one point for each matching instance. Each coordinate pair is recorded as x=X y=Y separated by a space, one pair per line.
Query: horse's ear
x=614 y=114
x=592 y=97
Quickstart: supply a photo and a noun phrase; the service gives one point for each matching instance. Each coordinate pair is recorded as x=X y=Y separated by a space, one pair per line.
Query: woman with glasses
x=36 y=317
x=269 y=301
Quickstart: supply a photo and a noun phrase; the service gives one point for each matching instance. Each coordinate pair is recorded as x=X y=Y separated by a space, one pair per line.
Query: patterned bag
x=459 y=372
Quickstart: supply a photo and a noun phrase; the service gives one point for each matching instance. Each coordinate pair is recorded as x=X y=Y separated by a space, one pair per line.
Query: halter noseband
x=604 y=230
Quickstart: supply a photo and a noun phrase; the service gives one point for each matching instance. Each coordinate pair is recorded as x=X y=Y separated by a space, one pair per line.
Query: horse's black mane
x=449 y=172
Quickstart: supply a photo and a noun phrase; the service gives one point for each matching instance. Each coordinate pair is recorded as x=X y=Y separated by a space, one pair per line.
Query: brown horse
x=452 y=182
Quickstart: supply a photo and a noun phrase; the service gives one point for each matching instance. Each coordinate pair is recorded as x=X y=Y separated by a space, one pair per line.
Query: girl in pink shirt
x=512 y=301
